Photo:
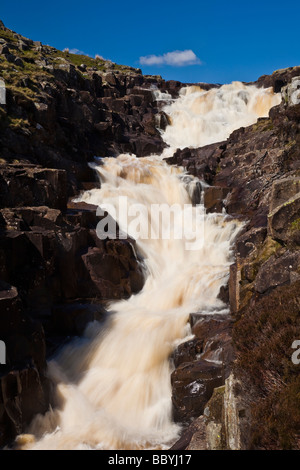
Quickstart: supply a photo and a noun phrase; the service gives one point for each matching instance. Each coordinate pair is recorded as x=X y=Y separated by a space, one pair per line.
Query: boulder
x=291 y=92
x=192 y=386
x=193 y=437
x=214 y=334
x=32 y=186
x=249 y=241
x=201 y=364
x=278 y=271
x=282 y=190
x=187 y=351
x=4 y=49
x=284 y=221
x=24 y=393
x=214 y=197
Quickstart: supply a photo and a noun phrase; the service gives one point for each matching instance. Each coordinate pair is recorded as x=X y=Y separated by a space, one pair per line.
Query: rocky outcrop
x=291 y=92
x=225 y=423
x=63 y=109
x=56 y=274
x=201 y=365
x=279 y=78
x=254 y=176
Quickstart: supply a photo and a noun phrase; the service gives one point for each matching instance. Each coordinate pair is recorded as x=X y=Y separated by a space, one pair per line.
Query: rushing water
x=113 y=385
x=203 y=117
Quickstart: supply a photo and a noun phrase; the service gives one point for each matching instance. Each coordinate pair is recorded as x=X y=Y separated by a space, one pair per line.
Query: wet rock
x=192 y=386
x=83 y=214
x=198 y=439
x=145 y=146
x=224 y=294
x=202 y=162
x=225 y=423
x=72 y=319
x=201 y=364
x=24 y=393
x=187 y=351
x=52 y=257
x=193 y=437
x=214 y=197
x=214 y=334
x=24 y=217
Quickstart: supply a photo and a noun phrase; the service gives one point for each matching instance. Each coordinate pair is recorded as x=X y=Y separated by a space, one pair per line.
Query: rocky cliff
x=56 y=275
x=61 y=111
x=255 y=177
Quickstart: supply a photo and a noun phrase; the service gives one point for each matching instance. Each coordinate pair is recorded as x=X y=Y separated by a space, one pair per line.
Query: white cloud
x=175 y=59
x=73 y=51
x=76 y=51
x=97 y=56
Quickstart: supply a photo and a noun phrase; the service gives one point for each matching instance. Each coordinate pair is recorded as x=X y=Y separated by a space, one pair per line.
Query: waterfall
x=113 y=385
x=202 y=117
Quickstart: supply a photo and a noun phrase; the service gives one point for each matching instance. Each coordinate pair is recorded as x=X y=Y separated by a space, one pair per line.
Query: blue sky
x=196 y=41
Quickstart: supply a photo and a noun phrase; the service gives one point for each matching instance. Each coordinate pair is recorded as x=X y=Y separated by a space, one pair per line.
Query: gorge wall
x=56 y=273
x=61 y=111
x=254 y=175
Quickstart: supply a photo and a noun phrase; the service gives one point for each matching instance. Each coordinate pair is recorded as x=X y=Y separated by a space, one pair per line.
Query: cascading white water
x=114 y=384
x=202 y=117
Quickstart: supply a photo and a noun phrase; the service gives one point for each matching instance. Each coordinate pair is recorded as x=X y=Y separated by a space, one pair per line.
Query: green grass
x=295 y=226
x=7 y=35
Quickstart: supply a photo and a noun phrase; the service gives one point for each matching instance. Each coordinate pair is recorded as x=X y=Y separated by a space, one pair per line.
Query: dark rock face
x=25 y=390
x=24 y=393
x=63 y=109
x=56 y=274
x=201 y=162
x=193 y=384
x=55 y=278
x=279 y=78
x=277 y=271
x=283 y=219
x=201 y=365
x=51 y=260
x=60 y=112
x=29 y=185
x=254 y=175
x=214 y=197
